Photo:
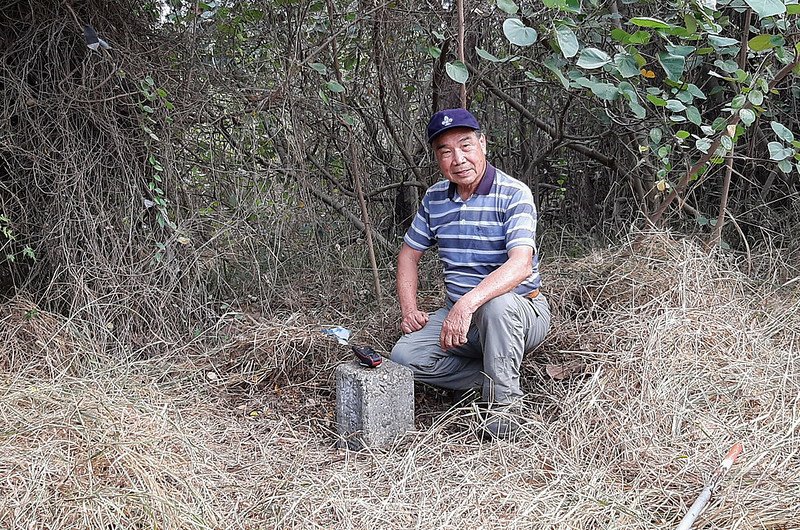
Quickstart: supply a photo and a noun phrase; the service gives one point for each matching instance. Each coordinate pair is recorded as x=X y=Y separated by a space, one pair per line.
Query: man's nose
x=459 y=157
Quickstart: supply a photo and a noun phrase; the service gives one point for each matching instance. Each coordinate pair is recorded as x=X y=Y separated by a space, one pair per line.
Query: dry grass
x=683 y=358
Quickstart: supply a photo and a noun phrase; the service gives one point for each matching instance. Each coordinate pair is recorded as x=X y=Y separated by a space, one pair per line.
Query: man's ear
x=483 y=144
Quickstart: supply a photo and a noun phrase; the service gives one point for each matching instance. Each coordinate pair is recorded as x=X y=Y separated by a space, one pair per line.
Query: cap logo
x=447 y=121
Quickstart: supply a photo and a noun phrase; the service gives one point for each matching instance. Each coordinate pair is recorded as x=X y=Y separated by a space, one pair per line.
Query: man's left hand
x=455 y=327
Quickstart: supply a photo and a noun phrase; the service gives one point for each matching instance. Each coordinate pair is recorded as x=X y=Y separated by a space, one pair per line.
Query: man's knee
x=402 y=353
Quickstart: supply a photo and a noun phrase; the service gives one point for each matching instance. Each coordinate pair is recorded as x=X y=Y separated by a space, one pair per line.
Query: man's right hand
x=413 y=321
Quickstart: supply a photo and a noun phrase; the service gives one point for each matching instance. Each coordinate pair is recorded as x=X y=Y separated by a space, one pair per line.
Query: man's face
x=461 y=155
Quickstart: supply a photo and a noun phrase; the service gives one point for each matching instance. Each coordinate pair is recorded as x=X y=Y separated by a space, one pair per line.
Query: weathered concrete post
x=373 y=405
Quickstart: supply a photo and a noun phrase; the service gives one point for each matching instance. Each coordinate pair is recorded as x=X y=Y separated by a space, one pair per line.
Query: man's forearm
x=407 y=279
x=501 y=281
x=407 y=292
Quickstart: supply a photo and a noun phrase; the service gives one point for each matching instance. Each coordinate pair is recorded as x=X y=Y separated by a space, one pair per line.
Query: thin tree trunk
x=716 y=234
x=355 y=167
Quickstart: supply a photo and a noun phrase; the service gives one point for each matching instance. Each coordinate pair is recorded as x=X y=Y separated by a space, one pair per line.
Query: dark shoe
x=501 y=423
x=462 y=398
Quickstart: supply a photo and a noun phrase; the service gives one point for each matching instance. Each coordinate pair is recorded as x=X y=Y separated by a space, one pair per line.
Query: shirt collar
x=484 y=187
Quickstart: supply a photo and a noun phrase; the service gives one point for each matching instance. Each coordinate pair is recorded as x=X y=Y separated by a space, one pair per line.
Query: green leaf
x=785 y=166
x=690 y=22
x=682 y=135
x=727 y=66
x=793 y=9
x=151 y=133
x=685 y=96
x=756 y=97
x=591 y=58
x=567 y=40
x=655 y=135
x=637 y=109
x=683 y=51
x=778 y=40
x=508 y=6
x=696 y=92
x=673 y=65
x=726 y=142
x=747 y=116
x=782 y=132
x=483 y=54
x=550 y=64
x=760 y=43
x=627 y=90
x=648 y=22
x=767 y=8
x=778 y=152
x=675 y=106
x=620 y=35
x=703 y=144
x=457 y=71
x=657 y=101
x=640 y=37
x=573 y=6
x=533 y=77
x=693 y=115
x=319 y=68
x=738 y=101
x=626 y=65
x=679 y=32
x=335 y=87
x=434 y=52
x=518 y=33
x=721 y=42
x=741 y=75
x=604 y=91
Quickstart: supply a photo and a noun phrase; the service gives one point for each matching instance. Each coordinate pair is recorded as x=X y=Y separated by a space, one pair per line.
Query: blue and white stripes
x=474 y=236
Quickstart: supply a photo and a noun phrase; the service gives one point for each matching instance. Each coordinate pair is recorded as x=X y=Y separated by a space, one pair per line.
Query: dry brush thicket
x=683 y=357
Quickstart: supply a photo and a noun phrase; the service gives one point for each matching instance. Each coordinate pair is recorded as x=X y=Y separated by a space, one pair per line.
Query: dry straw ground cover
x=680 y=355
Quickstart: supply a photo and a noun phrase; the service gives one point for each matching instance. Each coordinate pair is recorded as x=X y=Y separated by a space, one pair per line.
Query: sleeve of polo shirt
x=520 y=222
x=419 y=235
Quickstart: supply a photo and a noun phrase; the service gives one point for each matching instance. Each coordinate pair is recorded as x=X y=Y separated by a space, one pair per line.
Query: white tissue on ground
x=341 y=334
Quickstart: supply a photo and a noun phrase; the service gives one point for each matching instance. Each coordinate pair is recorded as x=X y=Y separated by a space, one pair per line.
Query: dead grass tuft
x=260 y=354
x=38 y=342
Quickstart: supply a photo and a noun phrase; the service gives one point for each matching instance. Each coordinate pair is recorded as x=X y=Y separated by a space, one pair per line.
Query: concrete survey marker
x=374 y=406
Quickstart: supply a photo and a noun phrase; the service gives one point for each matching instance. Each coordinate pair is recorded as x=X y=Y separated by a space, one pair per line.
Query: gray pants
x=502 y=331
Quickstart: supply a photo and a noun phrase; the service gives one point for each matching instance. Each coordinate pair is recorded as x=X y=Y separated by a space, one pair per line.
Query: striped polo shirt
x=474 y=236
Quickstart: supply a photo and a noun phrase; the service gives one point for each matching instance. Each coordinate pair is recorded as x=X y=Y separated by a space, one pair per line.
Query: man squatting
x=484 y=222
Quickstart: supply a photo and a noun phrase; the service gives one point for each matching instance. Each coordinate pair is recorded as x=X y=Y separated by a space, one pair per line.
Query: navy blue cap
x=450 y=119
